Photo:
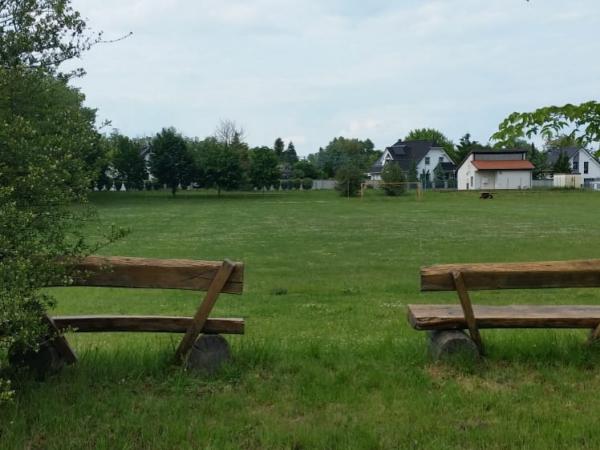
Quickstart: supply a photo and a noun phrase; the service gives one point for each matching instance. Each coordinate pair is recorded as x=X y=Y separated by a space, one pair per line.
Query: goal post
x=409 y=187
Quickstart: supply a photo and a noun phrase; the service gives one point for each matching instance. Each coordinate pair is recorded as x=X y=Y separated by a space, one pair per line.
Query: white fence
x=323 y=184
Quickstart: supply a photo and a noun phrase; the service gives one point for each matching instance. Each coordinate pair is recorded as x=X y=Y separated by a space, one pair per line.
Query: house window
x=586 y=167
x=427 y=160
x=471 y=181
x=441 y=159
x=575 y=166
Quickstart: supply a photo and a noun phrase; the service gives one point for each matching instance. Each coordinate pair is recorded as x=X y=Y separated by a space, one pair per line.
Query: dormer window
x=441 y=159
x=427 y=160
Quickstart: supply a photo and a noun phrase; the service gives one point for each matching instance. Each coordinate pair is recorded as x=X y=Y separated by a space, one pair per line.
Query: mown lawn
x=333 y=363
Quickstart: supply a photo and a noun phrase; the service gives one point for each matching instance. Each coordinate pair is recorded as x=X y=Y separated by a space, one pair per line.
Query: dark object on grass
x=279 y=291
x=46 y=361
x=447 y=344
x=208 y=354
x=486 y=195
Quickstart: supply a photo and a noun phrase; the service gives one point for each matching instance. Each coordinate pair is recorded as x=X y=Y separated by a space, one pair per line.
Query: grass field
x=333 y=363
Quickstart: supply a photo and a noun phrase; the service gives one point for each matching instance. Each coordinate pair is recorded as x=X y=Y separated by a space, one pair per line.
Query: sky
x=310 y=70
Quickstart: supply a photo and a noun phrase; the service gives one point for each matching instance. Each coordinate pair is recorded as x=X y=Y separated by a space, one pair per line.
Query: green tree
x=264 y=168
x=343 y=152
x=171 y=161
x=306 y=169
x=464 y=147
x=220 y=165
x=412 y=172
x=348 y=180
x=539 y=160
x=289 y=156
x=279 y=148
x=439 y=176
x=128 y=160
x=581 y=123
x=562 y=164
x=431 y=134
x=392 y=173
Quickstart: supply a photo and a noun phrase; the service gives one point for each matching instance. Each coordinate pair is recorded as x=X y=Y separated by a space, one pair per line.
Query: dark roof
x=405 y=152
x=488 y=152
x=554 y=153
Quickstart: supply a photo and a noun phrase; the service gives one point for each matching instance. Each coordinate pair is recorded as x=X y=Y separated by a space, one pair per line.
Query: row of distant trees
x=224 y=161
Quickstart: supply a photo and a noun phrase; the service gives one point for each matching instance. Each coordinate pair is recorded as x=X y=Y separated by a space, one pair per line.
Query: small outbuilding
x=495 y=169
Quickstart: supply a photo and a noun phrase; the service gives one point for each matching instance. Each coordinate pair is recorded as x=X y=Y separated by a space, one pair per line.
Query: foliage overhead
x=42 y=34
x=581 y=123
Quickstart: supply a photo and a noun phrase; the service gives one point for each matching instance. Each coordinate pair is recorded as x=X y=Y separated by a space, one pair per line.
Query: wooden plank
x=59 y=342
x=449 y=317
x=156 y=324
x=117 y=271
x=549 y=274
x=204 y=309
x=465 y=303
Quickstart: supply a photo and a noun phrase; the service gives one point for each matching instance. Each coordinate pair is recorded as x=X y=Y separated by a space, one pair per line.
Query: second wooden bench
x=463 y=278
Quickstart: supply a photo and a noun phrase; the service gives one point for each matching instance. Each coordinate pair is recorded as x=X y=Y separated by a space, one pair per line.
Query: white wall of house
x=593 y=166
x=468 y=177
x=435 y=155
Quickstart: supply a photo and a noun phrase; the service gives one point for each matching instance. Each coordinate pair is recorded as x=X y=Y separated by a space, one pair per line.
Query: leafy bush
x=348 y=180
x=297 y=183
x=49 y=151
x=307 y=183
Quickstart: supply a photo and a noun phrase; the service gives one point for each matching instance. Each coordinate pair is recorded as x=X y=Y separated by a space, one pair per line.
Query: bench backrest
x=128 y=272
x=534 y=275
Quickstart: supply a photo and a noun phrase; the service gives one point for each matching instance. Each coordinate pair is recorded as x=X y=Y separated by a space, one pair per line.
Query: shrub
x=307 y=183
x=348 y=180
x=297 y=183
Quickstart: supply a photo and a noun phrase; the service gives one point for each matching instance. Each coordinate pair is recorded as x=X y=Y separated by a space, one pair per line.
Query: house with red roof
x=495 y=169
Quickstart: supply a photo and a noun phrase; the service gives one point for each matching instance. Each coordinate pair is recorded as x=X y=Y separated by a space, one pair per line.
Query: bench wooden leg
x=215 y=288
x=60 y=343
x=595 y=335
x=467 y=307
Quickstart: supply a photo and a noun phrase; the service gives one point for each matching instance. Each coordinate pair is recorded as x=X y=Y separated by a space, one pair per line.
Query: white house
x=581 y=161
x=488 y=169
x=422 y=154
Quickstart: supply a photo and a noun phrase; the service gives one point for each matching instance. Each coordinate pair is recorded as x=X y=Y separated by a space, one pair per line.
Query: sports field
x=328 y=359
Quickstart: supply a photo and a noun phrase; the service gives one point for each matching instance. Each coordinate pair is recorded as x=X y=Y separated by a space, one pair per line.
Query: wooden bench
x=214 y=277
x=463 y=278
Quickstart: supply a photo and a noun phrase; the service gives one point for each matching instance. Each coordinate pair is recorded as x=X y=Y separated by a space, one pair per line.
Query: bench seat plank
x=447 y=317
x=158 y=324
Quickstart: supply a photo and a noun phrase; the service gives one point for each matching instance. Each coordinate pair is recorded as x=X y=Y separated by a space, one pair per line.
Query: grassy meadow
x=332 y=363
